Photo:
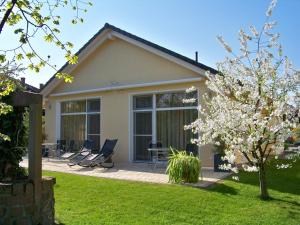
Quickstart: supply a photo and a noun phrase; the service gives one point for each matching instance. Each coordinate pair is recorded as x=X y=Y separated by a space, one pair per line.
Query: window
x=170 y=125
x=73 y=106
x=161 y=118
x=142 y=133
x=142 y=102
x=80 y=120
x=167 y=100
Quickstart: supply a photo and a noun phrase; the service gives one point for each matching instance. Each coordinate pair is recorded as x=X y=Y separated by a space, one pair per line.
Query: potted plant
x=183 y=167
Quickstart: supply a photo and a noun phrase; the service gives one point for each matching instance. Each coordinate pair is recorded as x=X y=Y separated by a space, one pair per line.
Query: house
x=28 y=87
x=127 y=88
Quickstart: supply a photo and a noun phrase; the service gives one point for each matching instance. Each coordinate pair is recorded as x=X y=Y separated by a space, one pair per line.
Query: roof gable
x=109 y=32
x=117 y=63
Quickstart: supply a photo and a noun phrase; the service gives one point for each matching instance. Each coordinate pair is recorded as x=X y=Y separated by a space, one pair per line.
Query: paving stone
x=143 y=172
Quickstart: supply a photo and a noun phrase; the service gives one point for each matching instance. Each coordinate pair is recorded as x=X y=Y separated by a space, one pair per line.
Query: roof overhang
x=128 y=86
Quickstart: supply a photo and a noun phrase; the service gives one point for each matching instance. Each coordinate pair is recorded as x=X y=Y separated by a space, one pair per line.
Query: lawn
x=90 y=200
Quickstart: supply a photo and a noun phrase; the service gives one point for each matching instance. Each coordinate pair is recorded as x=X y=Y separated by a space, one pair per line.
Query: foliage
x=32 y=20
x=220 y=147
x=12 y=150
x=29 y=21
x=108 y=201
x=250 y=109
x=7 y=86
x=183 y=167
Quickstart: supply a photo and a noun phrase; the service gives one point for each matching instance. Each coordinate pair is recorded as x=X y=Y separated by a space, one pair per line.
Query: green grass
x=89 y=200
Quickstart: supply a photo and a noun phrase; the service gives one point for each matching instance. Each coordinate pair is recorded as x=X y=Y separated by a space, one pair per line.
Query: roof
x=31 y=88
x=108 y=26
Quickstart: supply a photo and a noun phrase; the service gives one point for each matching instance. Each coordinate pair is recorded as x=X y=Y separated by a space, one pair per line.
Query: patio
x=142 y=172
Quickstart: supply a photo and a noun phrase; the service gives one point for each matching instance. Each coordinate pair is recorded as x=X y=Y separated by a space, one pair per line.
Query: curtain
x=170 y=127
x=73 y=128
x=73 y=106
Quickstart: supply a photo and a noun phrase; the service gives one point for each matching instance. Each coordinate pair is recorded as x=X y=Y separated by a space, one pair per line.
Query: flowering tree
x=249 y=107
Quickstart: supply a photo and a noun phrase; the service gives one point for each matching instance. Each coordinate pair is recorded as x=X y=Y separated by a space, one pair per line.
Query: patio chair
x=83 y=153
x=103 y=158
x=45 y=151
x=69 y=151
x=154 y=155
x=60 y=147
x=71 y=146
x=158 y=154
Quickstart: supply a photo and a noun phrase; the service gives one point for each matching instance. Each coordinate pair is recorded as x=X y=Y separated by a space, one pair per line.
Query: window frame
x=154 y=111
x=86 y=113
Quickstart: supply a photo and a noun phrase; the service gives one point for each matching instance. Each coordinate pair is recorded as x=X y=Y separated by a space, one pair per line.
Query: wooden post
x=34 y=148
x=34 y=101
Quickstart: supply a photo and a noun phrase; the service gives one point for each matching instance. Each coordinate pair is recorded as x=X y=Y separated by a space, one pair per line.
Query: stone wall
x=17 y=203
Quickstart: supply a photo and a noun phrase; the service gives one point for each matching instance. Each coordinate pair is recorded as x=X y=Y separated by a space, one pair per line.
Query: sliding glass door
x=142 y=120
x=170 y=125
x=80 y=120
x=142 y=134
x=161 y=118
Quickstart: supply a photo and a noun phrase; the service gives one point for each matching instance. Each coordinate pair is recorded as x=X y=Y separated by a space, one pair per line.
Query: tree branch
x=6 y=15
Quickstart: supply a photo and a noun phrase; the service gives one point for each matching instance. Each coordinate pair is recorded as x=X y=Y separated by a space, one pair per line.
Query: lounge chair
x=60 y=147
x=103 y=158
x=83 y=153
x=69 y=151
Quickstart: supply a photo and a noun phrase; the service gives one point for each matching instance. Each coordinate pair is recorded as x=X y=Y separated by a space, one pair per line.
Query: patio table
x=51 y=149
x=161 y=154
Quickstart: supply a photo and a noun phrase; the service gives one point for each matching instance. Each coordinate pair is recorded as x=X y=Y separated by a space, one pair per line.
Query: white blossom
x=235 y=178
x=191 y=89
x=250 y=168
x=283 y=166
x=254 y=31
x=225 y=45
x=190 y=100
x=271 y=7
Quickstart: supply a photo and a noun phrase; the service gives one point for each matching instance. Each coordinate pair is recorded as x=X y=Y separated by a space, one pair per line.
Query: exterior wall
x=115 y=117
x=117 y=62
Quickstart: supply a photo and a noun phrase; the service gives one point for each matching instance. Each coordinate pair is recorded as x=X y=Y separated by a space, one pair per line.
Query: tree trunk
x=263 y=183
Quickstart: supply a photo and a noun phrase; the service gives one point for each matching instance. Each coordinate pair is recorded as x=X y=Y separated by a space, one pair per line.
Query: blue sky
x=184 y=26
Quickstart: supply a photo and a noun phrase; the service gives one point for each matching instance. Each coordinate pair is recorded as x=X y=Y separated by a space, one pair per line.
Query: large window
x=161 y=118
x=80 y=120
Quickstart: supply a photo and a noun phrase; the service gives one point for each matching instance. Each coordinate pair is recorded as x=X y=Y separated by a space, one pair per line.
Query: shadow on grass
x=282 y=180
x=292 y=202
x=293 y=207
x=223 y=189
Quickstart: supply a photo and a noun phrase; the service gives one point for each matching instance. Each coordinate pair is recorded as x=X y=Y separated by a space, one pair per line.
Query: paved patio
x=128 y=171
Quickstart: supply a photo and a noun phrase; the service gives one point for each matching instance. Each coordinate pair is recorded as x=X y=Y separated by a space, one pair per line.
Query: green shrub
x=183 y=168
x=11 y=151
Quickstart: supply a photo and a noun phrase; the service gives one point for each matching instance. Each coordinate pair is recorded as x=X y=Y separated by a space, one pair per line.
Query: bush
x=183 y=168
x=11 y=152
